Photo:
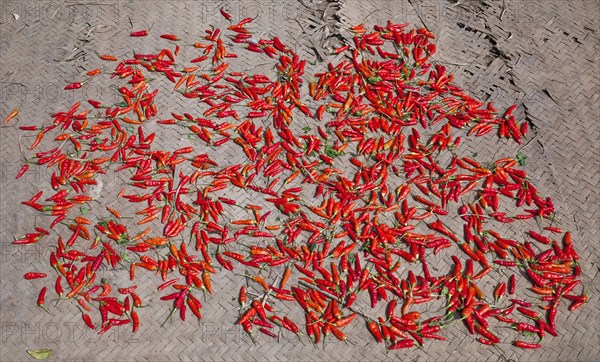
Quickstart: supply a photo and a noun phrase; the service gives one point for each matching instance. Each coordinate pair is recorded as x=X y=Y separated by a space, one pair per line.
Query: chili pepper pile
x=348 y=215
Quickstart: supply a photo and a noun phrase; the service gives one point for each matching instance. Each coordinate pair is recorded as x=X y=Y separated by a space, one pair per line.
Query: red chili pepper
x=555 y=230
x=578 y=302
x=225 y=14
x=34 y=275
x=108 y=57
x=75 y=85
x=403 y=343
x=194 y=306
x=88 y=321
x=41 y=298
x=127 y=290
x=247 y=316
x=22 y=171
x=169 y=37
x=374 y=329
x=526 y=345
x=139 y=33
x=500 y=291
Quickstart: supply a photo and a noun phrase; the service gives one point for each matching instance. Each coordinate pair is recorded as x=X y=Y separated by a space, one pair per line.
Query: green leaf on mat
x=521 y=159
x=40 y=353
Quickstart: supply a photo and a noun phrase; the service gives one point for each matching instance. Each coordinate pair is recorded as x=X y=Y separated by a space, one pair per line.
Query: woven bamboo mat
x=540 y=54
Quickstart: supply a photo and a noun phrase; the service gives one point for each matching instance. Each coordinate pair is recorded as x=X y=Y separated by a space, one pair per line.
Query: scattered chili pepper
x=12 y=115
x=34 y=275
x=347 y=240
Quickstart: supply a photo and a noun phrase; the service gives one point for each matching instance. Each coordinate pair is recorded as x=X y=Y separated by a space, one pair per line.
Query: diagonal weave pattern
x=541 y=54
